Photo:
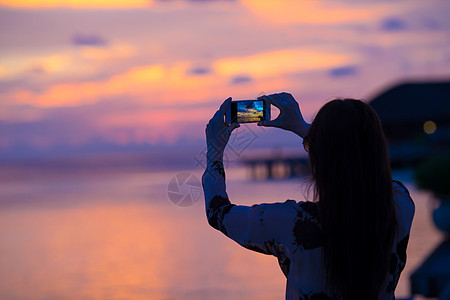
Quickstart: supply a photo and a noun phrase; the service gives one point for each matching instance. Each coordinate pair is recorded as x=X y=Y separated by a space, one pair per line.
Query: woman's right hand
x=290 y=117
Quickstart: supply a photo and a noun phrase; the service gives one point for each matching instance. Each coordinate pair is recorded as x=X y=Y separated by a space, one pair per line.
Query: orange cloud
x=77 y=4
x=55 y=63
x=14 y=65
x=73 y=94
x=81 y=61
x=149 y=83
x=171 y=84
x=317 y=12
x=275 y=63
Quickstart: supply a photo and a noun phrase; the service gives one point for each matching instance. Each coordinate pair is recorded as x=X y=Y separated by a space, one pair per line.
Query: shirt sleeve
x=405 y=207
x=263 y=228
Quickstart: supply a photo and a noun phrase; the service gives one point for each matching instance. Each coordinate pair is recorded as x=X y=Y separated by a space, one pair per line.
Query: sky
x=132 y=73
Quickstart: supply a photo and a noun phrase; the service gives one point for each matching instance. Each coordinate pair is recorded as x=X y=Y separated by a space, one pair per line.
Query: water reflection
x=118 y=237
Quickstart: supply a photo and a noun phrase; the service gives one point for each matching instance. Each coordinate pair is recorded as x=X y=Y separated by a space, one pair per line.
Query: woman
x=350 y=243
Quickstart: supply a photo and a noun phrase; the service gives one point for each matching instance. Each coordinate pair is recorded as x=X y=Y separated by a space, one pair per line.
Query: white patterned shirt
x=291 y=232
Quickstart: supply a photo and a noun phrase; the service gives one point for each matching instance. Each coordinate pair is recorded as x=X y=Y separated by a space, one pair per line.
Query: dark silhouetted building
x=416 y=121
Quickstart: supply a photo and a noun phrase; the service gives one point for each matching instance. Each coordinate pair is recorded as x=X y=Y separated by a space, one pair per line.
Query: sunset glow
x=150 y=82
x=104 y=104
x=317 y=12
x=280 y=62
x=137 y=75
x=76 y=4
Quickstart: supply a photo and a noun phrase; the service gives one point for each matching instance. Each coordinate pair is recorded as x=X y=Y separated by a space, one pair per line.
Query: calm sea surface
x=118 y=236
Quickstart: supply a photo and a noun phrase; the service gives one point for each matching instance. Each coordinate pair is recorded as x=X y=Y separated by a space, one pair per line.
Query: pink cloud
x=76 y=4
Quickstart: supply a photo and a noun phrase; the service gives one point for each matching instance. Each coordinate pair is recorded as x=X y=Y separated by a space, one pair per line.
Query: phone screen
x=247 y=111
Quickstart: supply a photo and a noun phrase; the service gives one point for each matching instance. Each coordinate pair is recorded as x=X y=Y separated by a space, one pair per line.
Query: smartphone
x=247 y=111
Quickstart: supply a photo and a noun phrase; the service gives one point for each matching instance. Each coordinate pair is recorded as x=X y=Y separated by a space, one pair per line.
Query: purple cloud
x=393 y=24
x=199 y=71
x=343 y=71
x=241 y=79
x=88 y=40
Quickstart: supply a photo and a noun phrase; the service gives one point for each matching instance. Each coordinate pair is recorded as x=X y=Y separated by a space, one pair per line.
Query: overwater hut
x=416 y=120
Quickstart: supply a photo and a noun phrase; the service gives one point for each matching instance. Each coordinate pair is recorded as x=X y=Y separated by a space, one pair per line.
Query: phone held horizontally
x=247 y=111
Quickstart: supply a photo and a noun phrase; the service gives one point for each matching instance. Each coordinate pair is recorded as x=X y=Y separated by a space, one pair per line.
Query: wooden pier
x=277 y=168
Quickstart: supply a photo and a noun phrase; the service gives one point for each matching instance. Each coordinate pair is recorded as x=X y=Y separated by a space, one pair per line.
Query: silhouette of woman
x=350 y=242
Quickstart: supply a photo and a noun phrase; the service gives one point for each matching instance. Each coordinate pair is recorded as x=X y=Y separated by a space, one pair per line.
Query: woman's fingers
x=233 y=126
x=272 y=123
x=270 y=99
x=281 y=100
x=223 y=107
x=221 y=111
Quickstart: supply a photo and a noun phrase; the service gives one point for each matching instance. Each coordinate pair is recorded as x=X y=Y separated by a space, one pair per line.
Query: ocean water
x=133 y=235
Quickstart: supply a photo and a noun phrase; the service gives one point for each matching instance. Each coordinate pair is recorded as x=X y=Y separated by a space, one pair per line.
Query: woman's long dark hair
x=353 y=186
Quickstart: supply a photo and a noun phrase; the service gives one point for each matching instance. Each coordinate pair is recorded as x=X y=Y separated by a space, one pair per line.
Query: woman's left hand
x=290 y=117
x=218 y=133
